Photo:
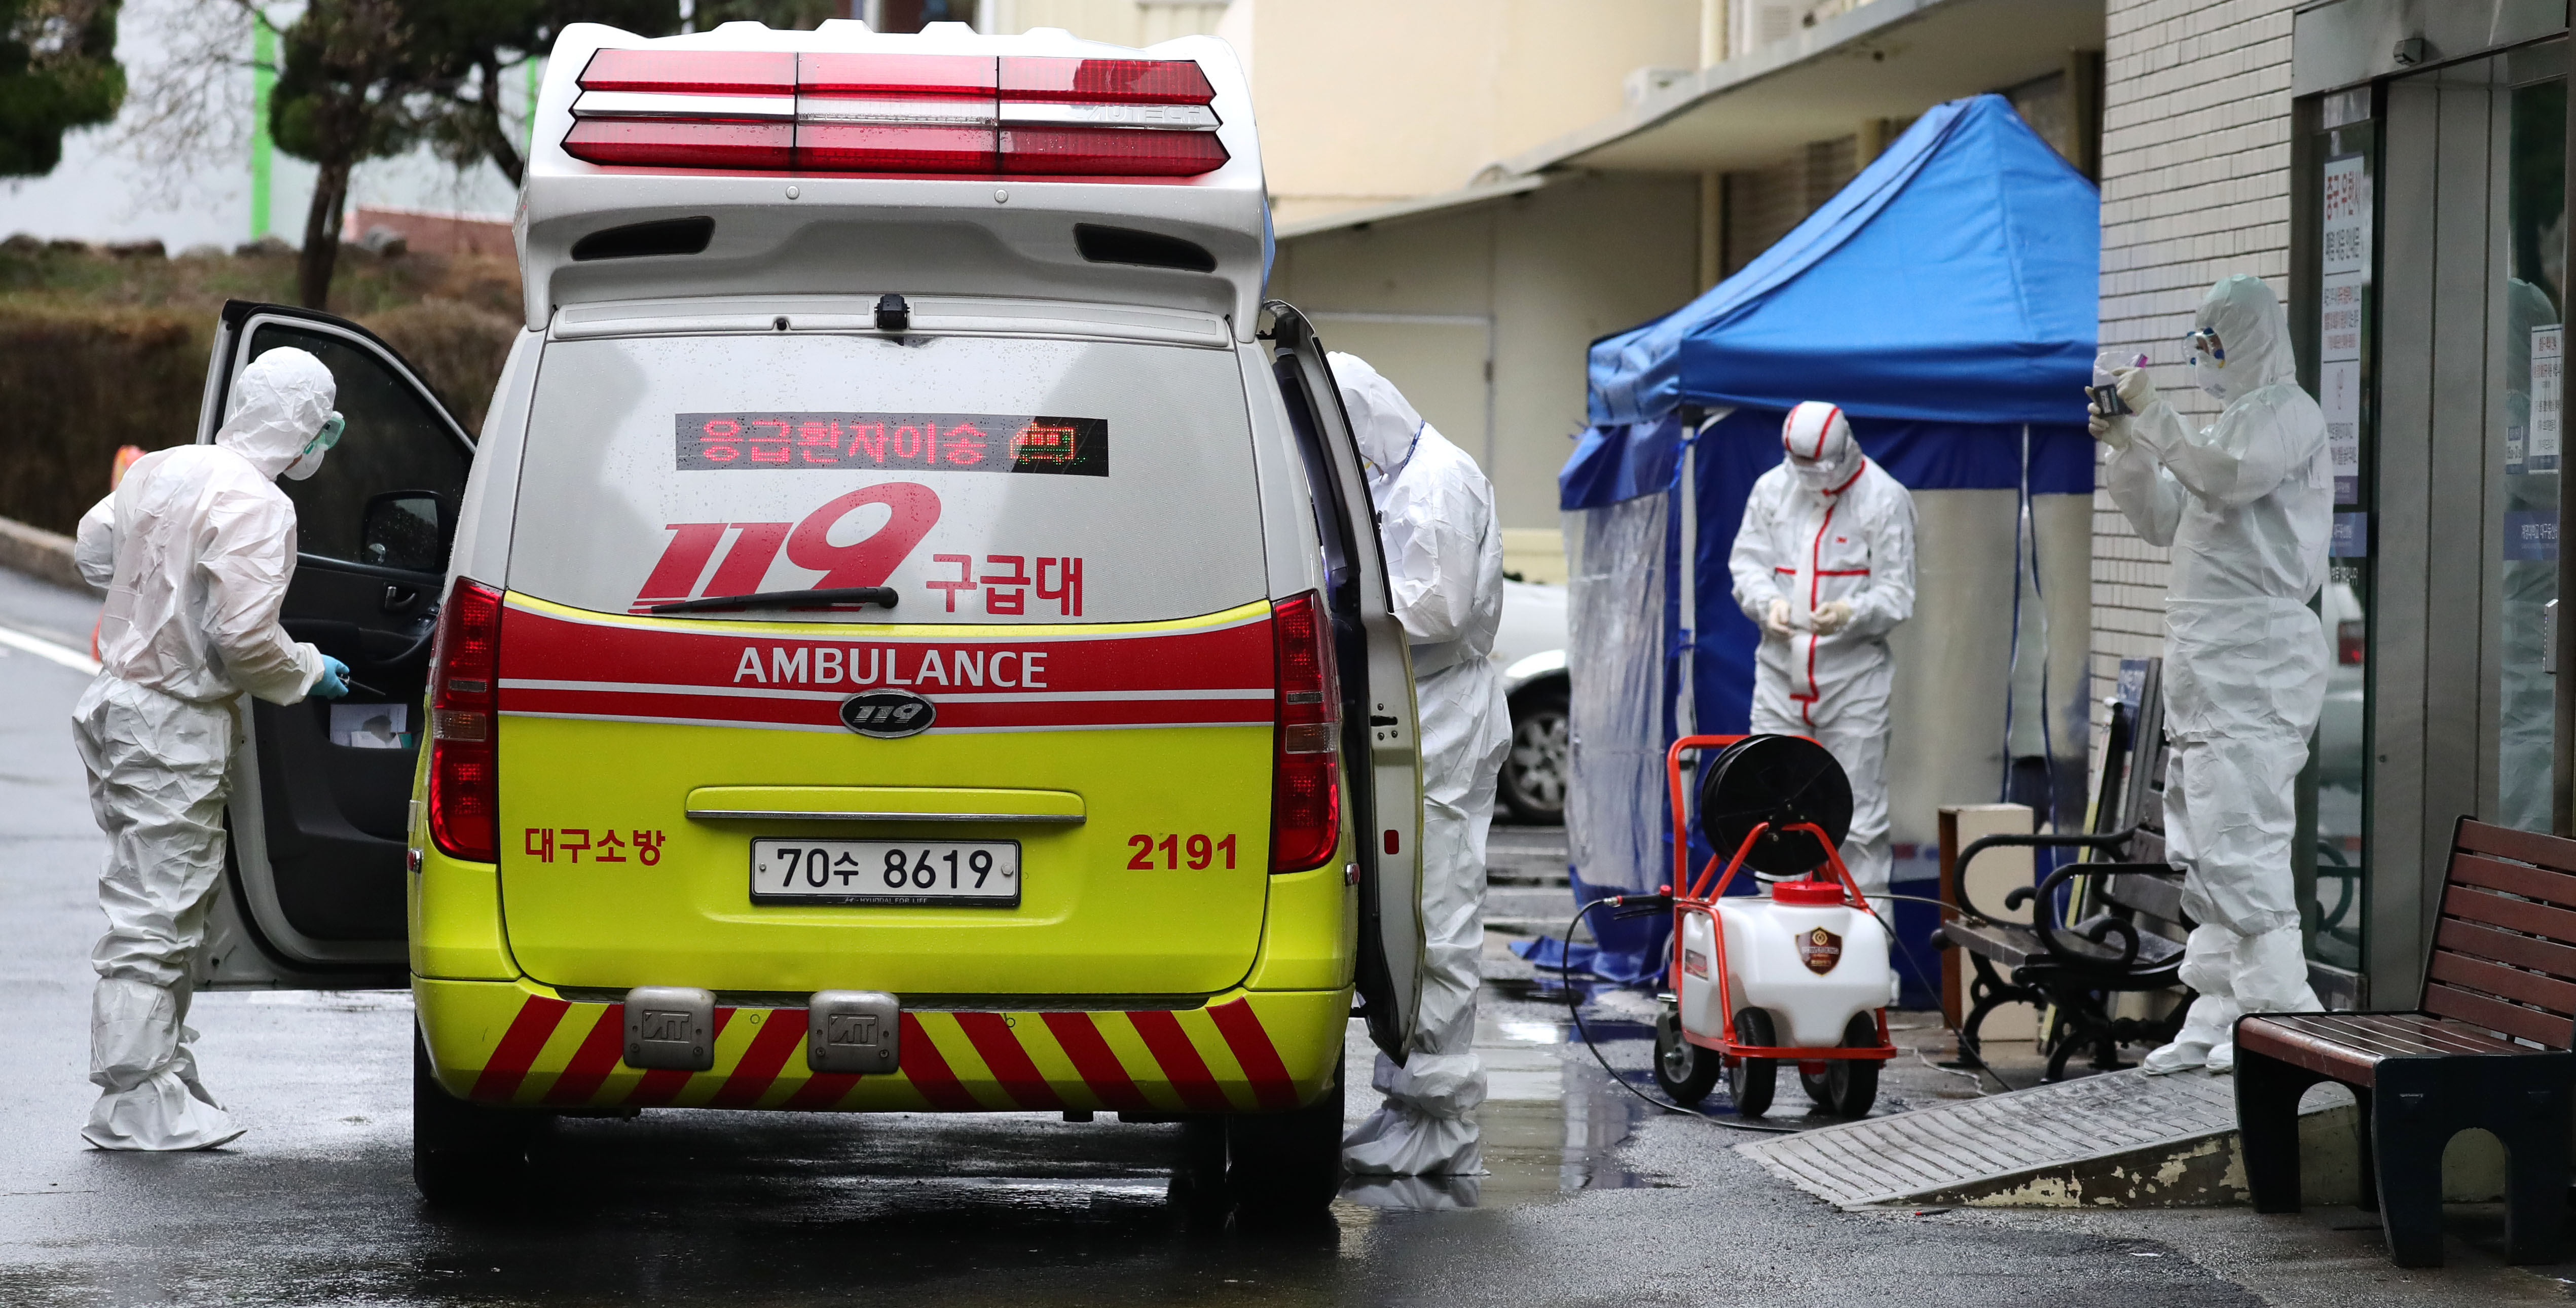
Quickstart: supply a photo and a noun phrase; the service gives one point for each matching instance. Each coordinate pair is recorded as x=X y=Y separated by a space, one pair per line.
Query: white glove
x=1833 y=615
x=1776 y=620
x=2137 y=390
x=2109 y=429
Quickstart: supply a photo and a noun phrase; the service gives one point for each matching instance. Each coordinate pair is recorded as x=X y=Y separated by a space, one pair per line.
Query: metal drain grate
x=2106 y=1125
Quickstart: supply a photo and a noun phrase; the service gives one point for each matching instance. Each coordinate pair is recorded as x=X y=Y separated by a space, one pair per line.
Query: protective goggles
x=2206 y=342
x=329 y=436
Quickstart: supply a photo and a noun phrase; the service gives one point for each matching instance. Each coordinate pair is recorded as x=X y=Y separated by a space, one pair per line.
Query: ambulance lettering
x=890 y=665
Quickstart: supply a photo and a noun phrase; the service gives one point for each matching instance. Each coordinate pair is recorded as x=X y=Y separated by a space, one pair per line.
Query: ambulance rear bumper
x=1242 y=1051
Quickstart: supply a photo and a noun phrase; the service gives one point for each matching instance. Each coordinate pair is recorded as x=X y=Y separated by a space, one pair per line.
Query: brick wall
x=2195 y=185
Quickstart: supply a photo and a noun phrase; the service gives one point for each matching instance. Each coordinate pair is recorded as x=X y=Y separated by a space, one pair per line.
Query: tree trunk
x=322 y=236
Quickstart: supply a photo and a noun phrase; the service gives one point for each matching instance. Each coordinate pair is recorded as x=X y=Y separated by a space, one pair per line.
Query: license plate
x=977 y=873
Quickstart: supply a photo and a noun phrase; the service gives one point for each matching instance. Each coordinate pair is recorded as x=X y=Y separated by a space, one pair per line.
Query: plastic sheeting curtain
x=1618 y=629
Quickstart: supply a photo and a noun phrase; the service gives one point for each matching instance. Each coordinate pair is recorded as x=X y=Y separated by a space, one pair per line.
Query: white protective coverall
x=1444 y=563
x=1824 y=564
x=194 y=548
x=2246 y=504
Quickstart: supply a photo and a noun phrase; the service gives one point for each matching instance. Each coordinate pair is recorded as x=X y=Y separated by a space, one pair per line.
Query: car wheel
x=1535 y=771
x=1287 y=1166
x=1685 y=1071
x=466 y=1156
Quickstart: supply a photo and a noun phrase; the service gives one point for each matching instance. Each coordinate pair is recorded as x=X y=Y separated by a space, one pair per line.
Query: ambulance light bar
x=780 y=111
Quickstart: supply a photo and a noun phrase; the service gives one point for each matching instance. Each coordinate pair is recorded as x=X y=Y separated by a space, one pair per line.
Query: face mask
x=1814 y=474
x=310 y=460
x=2208 y=362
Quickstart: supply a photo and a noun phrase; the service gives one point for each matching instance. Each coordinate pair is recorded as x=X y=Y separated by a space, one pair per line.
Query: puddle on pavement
x=1551 y=1125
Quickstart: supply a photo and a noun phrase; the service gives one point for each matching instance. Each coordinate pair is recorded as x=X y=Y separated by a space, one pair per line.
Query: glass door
x=2457 y=441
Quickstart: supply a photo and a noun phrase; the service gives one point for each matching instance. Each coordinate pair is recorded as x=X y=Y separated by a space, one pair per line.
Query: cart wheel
x=1848 y=1086
x=1750 y=1081
x=1685 y=1071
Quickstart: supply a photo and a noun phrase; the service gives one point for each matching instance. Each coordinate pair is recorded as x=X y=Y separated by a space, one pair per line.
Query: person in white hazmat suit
x=1444 y=564
x=194 y=549
x=1824 y=564
x=2246 y=505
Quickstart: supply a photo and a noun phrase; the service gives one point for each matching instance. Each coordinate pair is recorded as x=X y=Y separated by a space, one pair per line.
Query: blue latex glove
x=335 y=679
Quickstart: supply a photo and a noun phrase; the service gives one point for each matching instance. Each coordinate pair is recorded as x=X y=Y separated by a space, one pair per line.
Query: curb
x=39 y=553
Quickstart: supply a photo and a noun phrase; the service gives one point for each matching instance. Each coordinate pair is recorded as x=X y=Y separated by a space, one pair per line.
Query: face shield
x=309 y=461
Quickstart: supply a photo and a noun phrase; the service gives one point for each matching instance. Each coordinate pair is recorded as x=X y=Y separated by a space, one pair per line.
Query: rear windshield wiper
x=829 y=597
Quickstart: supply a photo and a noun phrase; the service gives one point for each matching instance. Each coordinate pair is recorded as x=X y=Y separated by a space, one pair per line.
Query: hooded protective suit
x=194 y=548
x=1444 y=563
x=2246 y=504
x=1824 y=563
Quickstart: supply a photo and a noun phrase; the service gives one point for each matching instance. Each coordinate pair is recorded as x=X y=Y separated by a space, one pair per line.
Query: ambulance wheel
x=1685 y=1071
x=466 y=1156
x=1751 y=1080
x=1286 y=1165
x=1848 y=1086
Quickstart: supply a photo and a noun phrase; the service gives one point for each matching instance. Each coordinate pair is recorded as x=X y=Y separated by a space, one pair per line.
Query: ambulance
x=909 y=635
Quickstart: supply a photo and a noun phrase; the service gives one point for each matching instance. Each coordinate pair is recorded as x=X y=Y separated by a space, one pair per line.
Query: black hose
x=1574 y=1005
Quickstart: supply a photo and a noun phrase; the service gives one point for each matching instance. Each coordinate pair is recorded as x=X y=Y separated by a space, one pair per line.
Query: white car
x=1529 y=646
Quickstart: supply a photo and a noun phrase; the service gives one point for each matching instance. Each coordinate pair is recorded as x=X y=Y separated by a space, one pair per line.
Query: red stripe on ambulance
x=781 y=1031
x=519 y=1047
x=1179 y=1060
x=592 y=1063
x=1271 y=1087
x=929 y=1072
x=1007 y=1061
x=1097 y=1063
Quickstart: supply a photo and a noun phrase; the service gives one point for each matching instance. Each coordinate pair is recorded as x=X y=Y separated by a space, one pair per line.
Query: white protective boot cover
x=2208 y=967
x=139 y=1056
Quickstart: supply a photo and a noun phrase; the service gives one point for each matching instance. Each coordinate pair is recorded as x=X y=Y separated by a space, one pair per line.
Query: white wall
x=1551 y=270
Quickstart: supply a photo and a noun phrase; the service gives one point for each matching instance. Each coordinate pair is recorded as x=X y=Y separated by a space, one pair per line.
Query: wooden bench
x=2121 y=934
x=2487 y=1045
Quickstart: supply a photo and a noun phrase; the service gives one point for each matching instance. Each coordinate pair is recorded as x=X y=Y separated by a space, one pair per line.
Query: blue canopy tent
x=1946 y=299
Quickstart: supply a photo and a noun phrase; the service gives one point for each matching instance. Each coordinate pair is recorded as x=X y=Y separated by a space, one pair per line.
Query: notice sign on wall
x=2548 y=367
x=2346 y=217
x=2346 y=249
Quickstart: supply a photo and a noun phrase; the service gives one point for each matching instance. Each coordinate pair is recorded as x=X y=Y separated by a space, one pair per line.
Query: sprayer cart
x=1798 y=974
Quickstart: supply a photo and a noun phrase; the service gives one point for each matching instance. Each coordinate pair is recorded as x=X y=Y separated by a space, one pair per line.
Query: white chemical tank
x=1800 y=953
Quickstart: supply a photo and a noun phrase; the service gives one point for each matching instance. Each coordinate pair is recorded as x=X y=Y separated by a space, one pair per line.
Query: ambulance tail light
x=900 y=114
x=464 y=787
x=1306 y=781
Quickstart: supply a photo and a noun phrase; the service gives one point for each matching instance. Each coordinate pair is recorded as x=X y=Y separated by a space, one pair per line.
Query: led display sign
x=893 y=442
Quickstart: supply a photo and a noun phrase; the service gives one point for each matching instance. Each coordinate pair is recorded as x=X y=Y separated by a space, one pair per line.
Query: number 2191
x=1202 y=851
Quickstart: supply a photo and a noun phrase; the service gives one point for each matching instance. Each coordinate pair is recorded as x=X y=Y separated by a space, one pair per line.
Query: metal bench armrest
x=2111 y=840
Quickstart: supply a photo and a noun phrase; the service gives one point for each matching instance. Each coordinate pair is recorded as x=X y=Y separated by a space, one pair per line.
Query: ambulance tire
x=1285 y=1167
x=1848 y=1086
x=1684 y=1071
x=466 y=1157
x=1751 y=1081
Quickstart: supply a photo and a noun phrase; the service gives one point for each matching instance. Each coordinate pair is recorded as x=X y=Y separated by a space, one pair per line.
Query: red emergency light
x=910 y=114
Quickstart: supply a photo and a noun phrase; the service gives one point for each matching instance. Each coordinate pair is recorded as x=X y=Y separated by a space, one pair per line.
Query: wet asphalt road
x=1592 y=1200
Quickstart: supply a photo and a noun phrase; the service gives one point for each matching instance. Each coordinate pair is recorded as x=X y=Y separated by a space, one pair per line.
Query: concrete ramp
x=2120 y=1140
